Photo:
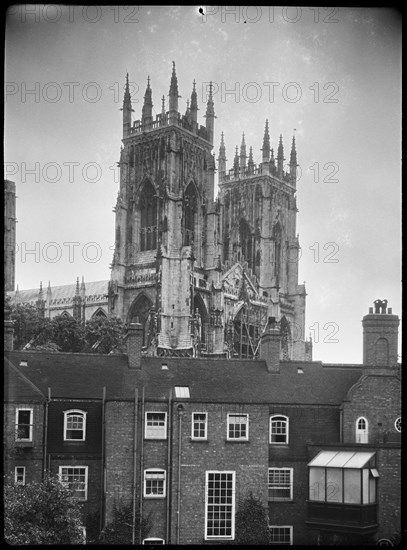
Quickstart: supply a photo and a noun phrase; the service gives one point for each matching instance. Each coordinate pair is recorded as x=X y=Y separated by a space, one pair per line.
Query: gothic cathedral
x=204 y=275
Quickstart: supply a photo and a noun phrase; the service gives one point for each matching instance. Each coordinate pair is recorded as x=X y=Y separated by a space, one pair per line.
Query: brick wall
x=247 y=459
x=23 y=454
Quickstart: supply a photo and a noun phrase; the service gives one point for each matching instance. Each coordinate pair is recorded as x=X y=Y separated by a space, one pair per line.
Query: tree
x=26 y=323
x=68 y=333
x=120 y=529
x=41 y=513
x=104 y=335
x=251 y=522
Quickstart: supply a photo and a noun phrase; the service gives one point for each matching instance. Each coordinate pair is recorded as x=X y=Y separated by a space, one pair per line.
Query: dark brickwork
x=25 y=454
x=93 y=435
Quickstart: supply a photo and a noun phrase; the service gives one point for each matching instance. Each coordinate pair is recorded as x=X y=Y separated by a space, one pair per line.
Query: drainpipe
x=133 y=537
x=102 y=461
x=169 y=467
x=141 y=465
x=180 y=409
x=45 y=432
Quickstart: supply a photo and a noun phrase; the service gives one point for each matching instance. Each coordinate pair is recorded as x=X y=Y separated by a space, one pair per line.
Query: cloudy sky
x=332 y=74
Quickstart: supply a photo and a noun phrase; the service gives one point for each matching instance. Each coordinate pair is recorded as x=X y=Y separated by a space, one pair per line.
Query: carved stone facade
x=204 y=275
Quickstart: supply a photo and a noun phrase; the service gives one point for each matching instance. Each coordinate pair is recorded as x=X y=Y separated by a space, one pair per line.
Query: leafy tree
x=104 y=335
x=120 y=529
x=41 y=513
x=68 y=333
x=251 y=522
x=26 y=323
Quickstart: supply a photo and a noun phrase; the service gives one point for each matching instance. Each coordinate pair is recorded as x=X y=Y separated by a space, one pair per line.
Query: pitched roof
x=247 y=381
x=76 y=375
x=18 y=388
x=79 y=375
x=62 y=293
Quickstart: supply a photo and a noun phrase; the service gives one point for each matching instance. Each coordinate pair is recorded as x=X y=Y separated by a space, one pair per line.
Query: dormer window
x=74 y=425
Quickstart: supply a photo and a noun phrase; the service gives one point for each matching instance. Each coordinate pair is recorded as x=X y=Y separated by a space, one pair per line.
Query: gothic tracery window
x=246 y=242
x=148 y=218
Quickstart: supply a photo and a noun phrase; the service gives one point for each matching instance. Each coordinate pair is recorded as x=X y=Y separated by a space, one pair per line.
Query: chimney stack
x=380 y=336
x=270 y=346
x=8 y=335
x=134 y=345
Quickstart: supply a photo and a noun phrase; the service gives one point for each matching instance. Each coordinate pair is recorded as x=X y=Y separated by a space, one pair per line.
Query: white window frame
x=205 y=422
x=16 y=475
x=283 y=486
x=397 y=424
x=282 y=417
x=153 y=435
x=208 y=473
x=66 y=483
x=362 y=435
x=230 y=422
x=153 y=540
x=77 y=412
x=164 y=481
x=31 y=411
x=290 y=527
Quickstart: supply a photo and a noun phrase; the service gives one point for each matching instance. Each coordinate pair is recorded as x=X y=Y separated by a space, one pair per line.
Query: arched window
x=362 y=430
x=277 y=252
x=246 y=242
x=190 y=211
x=99 y=313
x=279 y=430
x=148 y=218
x=74 y=425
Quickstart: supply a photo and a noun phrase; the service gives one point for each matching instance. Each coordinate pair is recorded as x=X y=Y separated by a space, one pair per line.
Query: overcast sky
x=332 y=74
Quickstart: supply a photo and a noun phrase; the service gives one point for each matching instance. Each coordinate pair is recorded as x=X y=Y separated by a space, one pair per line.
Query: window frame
x=229 y=423
x=281 y=417
x=30 y=425
x=197 y=438
x=77 y=412
x=291 y=485
x=361 y=434
x=16 y=475
x=397 y=424
x=146 y=435
x=66 y=483
x=154 y=540
x=290 y=527
x=164 y=481
x=232 y=506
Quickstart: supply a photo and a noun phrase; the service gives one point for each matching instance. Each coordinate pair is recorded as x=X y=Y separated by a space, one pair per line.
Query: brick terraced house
x=185 y=438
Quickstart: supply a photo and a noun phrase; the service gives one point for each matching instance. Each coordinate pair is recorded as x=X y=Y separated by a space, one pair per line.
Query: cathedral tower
x=261 y=250
x=165 y=271
x=204 y=276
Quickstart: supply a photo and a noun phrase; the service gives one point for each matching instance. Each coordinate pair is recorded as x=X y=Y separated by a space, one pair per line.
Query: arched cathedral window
x=277 y=252
x=190 y=211
x=148 y=218
x=246 y=242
